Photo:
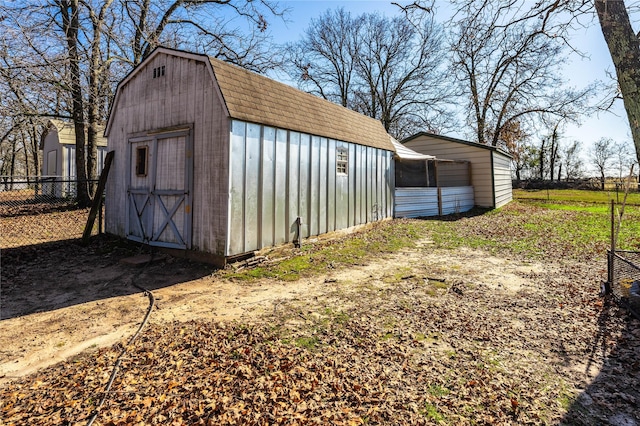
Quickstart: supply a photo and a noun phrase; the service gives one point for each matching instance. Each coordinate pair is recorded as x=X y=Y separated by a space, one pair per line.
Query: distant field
x=575 y=196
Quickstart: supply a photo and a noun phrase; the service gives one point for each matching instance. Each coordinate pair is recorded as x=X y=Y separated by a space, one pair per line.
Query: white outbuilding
x=490 y=167
x=58 y=145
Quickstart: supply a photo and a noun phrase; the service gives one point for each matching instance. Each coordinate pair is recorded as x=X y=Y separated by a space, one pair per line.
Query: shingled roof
x=67 y=133
x=258 y=99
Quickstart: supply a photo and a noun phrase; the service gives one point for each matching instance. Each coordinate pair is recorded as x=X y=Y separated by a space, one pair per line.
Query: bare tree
x=516 y=142
x=387 y=68
x=20 y=101
x=76 y=50
x=324 y=60
x=554 y=154
x=508 y=65
x=202 y=25
x=571 y=162
x=602 y=154
x=402 y=75
x=623 y=159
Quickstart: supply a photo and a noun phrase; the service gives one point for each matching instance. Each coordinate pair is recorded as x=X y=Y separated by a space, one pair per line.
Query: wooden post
x=97 y=199
x=612 y=251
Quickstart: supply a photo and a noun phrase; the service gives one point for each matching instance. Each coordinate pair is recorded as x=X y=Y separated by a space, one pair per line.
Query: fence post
x=611 y=252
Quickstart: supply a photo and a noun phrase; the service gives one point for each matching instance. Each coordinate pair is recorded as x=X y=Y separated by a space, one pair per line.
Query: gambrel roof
x=254 y=98
x=258 y=99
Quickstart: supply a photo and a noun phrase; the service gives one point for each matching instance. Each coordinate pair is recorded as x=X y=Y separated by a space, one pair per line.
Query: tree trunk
x=35 y=150
x=543 y=153
x=625 y=52
x=12 y=171
x=71 y=23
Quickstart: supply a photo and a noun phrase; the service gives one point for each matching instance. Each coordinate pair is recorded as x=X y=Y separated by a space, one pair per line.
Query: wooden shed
x=213 y=159
x=490 y=166
x=58 y=145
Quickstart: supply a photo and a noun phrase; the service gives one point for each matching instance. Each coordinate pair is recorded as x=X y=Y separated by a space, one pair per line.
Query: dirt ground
x=60 y=300
x=75 y=300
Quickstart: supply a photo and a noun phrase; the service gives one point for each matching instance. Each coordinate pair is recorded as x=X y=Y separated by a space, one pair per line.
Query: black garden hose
x=116 y=366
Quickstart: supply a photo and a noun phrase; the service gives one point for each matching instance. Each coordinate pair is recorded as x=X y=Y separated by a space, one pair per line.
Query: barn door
x=159 y=190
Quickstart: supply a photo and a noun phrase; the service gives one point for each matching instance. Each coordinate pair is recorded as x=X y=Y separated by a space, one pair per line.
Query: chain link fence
x=624 y=278
x=40 y=210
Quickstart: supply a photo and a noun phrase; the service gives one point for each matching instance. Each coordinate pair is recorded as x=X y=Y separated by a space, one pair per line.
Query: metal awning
x=404 y=153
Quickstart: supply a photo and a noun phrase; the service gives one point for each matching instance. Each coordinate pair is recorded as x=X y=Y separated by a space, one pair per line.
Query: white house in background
x=490 y=169
x=58 y=145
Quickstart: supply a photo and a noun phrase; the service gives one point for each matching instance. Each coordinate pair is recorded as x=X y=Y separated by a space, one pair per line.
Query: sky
x=580 y=71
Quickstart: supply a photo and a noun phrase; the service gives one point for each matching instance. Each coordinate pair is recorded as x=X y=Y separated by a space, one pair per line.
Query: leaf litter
x=373 y=348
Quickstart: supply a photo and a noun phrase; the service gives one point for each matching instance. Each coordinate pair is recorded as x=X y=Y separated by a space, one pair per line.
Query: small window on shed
x=141 y=161
x=158 y=72
x=342 y=161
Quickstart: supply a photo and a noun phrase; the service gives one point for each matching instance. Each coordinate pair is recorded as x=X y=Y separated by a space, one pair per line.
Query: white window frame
x=342 y=161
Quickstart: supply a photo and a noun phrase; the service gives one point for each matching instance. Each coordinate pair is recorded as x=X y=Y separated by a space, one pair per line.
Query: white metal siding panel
x=502 y=179
x=479 y=158
x=456 y=199
x=322 y=187
x=236 y=196
x=424 y=202
x=252 y=208
x=267 y=183
x=312 y=181
x=293 y=184
x=281 y=233
x=416 y=202
x=331 y=187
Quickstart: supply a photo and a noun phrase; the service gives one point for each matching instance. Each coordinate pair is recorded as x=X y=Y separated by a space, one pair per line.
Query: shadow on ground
x=613 y=397
x=46 y=277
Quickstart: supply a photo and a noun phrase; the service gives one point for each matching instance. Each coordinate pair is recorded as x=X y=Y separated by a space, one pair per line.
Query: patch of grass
x=338 y=317
x=309 y=343
x=431 y=412
x=438 y=284
x=575 y=207
x=399 y=275
x=438 y=391
x=315 y=258
x=575 y=224
x=575 y=196
x=536 y=230
x=387 y=336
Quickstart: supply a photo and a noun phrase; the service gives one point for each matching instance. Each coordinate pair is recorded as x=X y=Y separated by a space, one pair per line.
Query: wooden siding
x=502 y=179
x=185 y=96
x=278 y=175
